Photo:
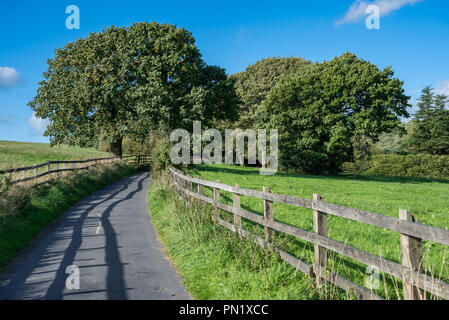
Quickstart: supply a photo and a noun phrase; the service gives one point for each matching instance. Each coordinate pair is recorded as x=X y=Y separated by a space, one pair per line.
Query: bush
x=160 y=154
x=412 y=165
x=14 y=200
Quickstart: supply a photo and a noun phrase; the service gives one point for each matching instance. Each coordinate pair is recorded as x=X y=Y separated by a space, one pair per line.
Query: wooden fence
x=31 y=174
x=415 y=283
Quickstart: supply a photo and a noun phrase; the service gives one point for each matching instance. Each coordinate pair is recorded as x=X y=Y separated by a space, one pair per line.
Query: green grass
x=17 y=154
x=426 y=199
x=36 y=208
x=214 y=263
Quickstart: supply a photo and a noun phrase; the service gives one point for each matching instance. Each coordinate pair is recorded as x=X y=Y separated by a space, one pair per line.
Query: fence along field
x=50 y=169
x=416 y=284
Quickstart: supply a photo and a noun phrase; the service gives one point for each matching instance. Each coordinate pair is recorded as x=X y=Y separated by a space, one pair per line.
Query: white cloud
x=442 y=88
x=357 y=10
x=38 y=125
x=9 y=77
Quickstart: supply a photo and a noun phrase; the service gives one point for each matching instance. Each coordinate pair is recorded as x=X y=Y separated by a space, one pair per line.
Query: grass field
x=427 y=200
x=17 y=154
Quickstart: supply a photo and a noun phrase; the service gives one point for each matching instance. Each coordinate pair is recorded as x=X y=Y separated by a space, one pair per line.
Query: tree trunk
x=116 y=147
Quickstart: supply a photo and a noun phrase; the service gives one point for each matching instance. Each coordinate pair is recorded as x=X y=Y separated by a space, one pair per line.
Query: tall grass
x=215 y=263
x=197 y=260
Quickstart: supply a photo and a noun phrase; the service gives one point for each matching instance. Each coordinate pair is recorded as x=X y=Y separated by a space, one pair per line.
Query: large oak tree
x=254 y=84
x=125 y=82
x=318 y=110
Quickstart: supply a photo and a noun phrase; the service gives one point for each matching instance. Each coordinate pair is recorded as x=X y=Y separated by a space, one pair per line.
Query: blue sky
x=413 y=38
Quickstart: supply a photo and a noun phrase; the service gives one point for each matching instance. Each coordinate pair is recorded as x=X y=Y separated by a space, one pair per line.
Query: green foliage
x=4 y=183
x=318 y=110
x=160 y=154
x=431 y=131
x=389 y=143
x=254 y=84
x=363 y=147
x=411 y=165
x=124 y=82
x=13 y=200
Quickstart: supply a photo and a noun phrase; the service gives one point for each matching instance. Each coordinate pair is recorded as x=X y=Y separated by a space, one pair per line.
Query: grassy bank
x=17 y=154
x=214 y=263
x=209 y=257
x=426 y=199
x=25 y=212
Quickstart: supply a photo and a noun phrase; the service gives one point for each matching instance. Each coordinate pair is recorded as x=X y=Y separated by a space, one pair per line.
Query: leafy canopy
x=125 y=82
x=254 y=84
x=318 y=110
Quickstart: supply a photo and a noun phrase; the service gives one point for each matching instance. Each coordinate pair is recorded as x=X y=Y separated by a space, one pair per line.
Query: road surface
x=110 y=240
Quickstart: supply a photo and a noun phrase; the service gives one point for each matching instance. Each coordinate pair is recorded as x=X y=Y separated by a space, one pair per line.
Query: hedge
x=412 y=165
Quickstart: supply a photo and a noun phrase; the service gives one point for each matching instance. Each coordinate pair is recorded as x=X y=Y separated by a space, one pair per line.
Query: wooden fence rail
x=415 y=282
x=68 y=165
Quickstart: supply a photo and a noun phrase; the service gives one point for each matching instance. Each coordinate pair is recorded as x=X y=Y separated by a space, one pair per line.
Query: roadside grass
x=18 y=154
x=25 y=212
x=426 y=199
x=215 y=263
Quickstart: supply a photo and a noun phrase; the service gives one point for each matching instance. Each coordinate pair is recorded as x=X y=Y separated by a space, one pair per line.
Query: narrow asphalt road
x=110 y=238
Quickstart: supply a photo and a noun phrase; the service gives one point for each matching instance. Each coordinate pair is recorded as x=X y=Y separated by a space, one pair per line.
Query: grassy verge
x=25 y=212
x=214 y=263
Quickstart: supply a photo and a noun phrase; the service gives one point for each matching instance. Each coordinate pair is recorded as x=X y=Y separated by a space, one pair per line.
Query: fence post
x=189 y=186
x=200 y=187
x=268 y=213
x=48 y=167
x=178 y=184
x=236 y=204
x=58 y=174
x=189 y=183
x=264 y=158
x=35 y=173
x=319 y=227
x=216 y=215
x=184 y=186
x=411 y=257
